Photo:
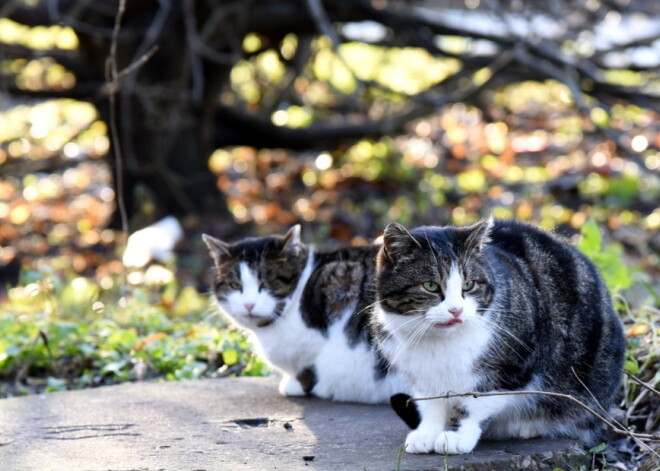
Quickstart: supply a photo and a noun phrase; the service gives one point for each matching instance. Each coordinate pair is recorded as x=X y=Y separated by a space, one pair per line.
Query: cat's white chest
x=436 y=365
x=289 y=344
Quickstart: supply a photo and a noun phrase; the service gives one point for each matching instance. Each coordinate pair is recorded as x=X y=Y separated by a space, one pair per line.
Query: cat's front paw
x=453 y=443
x=291 y=387
x=421 y=440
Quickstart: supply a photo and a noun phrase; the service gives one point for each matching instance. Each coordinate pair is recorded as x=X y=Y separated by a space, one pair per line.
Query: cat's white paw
x=528 y=430
x=291 y=387
x=421 y=440
x=453 y=443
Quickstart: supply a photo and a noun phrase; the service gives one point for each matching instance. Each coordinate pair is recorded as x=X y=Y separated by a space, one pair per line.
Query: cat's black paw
x=407 y=411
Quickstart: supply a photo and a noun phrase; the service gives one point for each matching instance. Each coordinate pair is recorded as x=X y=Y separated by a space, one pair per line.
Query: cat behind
x=497 y=306
x=307 y=313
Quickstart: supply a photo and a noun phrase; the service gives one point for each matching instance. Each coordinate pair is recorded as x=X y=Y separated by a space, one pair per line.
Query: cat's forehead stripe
x=253 y=249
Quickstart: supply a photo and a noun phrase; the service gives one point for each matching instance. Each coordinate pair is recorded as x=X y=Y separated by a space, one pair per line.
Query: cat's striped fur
x=307 y=312
x=497 y=306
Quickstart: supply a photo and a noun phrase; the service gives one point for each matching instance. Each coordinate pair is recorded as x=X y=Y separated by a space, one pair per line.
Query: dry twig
x=619 y=430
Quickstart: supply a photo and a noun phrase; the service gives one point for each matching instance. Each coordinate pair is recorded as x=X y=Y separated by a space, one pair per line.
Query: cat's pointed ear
x=292 y=242
x=217 y=248
x=479 y=235
x=397 y=241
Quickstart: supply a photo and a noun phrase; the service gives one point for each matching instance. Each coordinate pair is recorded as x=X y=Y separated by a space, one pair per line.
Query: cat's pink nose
x=456 y=311
x=249 y=306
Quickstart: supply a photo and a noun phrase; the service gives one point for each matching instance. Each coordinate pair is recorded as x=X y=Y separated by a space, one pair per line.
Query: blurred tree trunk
x=164 y=133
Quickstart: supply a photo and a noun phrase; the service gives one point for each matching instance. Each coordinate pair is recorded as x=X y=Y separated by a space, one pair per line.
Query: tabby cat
x=495 y=307
x=308 y=314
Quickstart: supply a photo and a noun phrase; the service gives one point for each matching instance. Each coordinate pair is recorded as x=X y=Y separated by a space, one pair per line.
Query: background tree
x=193 y=76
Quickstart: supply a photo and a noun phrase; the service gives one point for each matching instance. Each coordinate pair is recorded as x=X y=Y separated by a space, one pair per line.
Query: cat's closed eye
x=222 y=285
x=285 y=280
x=235 y=285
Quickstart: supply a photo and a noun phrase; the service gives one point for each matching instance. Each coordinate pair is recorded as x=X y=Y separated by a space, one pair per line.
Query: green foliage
x=58 y=334
x=640 y=320
x=608 y=259
x=601 y=447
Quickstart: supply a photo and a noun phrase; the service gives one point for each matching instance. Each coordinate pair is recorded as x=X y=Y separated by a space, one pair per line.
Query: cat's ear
x=397 y=241
x=292 y=242
x=217 y=248
x=479 y=234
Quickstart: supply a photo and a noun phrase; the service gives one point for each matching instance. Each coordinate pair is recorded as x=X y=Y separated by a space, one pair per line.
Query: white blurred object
x=153 y=242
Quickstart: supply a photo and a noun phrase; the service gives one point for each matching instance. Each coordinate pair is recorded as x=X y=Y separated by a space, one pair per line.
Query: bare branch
x=113 y=86
x=113 y=75
x=322 y=22
x=642 y=383
x=614 y=428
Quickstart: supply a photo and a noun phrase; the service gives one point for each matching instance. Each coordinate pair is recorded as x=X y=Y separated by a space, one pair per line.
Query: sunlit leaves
x=46 y=127
x=288 y=46
x=627 y=78
x=607 y=259
x=244 y=83
x=56 y=208
x=38 y=37
x=407 y=70
x=327 y=67
x=294 y=116
x=252 y=43
x=472 y=181
x=458 y=166
x=331 y=74
x=38 y=74
x=550 y=94
x=600 y=117
x=269 y=66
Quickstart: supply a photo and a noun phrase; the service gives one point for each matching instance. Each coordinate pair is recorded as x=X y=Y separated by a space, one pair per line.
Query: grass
x=642 y=325
x=60 y=332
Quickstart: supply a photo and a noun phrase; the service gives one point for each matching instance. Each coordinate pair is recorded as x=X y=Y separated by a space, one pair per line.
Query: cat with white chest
x=307 y=313
x=499 y=306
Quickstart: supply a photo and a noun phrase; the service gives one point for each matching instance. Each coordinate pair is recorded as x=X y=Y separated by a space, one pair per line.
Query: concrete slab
x=227 y=424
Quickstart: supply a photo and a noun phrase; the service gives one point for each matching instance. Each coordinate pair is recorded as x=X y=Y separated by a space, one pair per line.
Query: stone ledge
x=229 y=424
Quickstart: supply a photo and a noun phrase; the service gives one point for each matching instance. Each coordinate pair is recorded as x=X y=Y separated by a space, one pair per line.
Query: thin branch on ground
x=614 y=428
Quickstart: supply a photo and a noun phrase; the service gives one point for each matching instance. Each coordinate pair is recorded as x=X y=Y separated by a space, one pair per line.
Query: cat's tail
x=406 y=410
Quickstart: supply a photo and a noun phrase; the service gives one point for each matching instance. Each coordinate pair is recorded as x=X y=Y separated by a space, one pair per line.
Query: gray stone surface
x=226 y=424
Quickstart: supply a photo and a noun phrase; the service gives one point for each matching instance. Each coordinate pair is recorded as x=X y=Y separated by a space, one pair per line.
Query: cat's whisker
x=393 y=331
x=370 y=306
x=497 y=310
x=499 y=343
x=410 y=341
x=501 y=329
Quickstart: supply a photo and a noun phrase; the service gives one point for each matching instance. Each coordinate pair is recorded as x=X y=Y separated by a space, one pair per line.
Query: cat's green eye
x=468 y=285
x=431 y=286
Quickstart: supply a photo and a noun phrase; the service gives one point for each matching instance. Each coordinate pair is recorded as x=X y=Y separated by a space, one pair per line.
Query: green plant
x=61 y=332
x=642 y=324
x=608 y=258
